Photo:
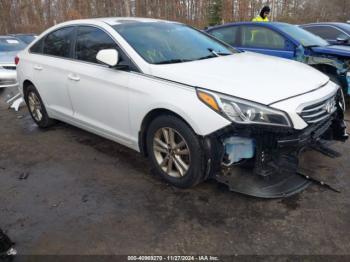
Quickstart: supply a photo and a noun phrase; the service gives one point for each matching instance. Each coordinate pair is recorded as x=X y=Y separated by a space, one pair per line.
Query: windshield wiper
x=173 y=61
x=218 y=53
x=311 y=46
x=207 y=57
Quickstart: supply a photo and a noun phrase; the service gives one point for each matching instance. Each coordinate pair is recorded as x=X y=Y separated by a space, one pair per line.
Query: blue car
x=290 y=42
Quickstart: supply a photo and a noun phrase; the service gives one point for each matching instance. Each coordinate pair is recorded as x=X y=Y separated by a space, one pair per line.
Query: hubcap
x=171 y=152
x=35 y=106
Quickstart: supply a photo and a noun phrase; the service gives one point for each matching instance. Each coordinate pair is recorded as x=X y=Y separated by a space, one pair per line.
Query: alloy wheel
x=35 y=106
x=171 y=152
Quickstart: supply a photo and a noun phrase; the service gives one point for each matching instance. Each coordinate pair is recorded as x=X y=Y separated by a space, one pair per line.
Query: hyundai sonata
x=192 y=104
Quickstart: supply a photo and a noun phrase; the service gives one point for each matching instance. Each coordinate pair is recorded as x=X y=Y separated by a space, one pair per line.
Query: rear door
x=50 y=65
x=264 y=40
x=99 y=94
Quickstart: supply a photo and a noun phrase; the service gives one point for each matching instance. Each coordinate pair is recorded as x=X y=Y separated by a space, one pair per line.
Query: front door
x=265 y=41
x=99 y=94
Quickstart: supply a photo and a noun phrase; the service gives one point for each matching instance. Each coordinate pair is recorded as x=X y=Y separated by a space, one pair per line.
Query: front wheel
x=175 y=151
x=37 y=108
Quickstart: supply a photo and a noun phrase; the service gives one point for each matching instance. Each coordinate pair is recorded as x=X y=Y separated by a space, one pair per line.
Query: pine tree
x=215 y=12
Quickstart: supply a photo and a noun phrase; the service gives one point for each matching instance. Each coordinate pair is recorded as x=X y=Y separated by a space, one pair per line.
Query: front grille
x=319 y=111
x=7 y=82
x=9 y=67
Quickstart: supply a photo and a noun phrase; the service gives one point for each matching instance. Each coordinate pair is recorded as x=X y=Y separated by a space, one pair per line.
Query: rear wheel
x=175 y=151
x=37 y=108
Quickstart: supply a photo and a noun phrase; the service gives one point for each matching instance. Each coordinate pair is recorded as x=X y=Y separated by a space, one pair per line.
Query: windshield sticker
x=12 y=41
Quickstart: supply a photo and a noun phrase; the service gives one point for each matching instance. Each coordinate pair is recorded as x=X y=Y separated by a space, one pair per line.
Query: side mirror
x=343 y=39
x=109 y=57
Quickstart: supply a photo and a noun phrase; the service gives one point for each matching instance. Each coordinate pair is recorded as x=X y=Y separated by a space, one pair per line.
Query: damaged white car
x=189 y=102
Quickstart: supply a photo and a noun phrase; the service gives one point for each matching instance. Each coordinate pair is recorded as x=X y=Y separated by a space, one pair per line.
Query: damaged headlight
x=243 y=111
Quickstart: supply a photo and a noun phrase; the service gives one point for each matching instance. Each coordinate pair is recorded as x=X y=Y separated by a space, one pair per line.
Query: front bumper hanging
x=275 y=170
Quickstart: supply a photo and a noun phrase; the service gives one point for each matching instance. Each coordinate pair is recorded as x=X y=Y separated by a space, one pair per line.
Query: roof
x=343 y=26
x=7 y=36
x=325 y=23
x=124 y=20
x=22 y=34
x=267 y=24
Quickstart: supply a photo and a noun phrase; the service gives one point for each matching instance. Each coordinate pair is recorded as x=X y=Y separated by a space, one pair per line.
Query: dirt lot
x=87 y=195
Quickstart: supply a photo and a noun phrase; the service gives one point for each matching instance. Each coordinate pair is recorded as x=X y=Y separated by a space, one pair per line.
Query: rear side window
x=59 y=42
x=326 y=32
x=260 y=37
x=226 y=34
x=37 y=48
x=90 y=40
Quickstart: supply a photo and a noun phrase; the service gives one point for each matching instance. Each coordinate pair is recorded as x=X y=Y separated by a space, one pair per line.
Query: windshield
x=345 y=27
x=167 y=43
x=11 y=44
x=26 y=38
x=306 y=38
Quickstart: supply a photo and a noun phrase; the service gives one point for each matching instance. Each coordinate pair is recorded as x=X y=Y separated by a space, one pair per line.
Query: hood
x=251 y=76
x=337 y=50
x=8 y=57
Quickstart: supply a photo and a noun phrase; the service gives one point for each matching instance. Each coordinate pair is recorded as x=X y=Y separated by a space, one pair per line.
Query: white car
x=189 y=102
x=9 y=47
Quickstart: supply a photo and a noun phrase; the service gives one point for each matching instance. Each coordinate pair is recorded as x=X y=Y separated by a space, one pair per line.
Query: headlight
x=243 y=111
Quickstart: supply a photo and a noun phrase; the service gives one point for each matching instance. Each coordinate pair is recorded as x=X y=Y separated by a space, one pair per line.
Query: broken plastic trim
x=341 y=65
x=16 y=102
x=274 y=170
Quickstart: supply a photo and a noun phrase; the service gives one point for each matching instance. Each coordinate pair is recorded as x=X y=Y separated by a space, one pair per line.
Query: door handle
x=37 y=67
x=73 y=77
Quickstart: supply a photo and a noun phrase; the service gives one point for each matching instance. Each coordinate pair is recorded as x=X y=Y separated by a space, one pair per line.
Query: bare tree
x=37 y=15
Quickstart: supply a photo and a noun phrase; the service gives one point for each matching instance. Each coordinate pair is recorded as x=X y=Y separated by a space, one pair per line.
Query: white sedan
x=188 y=101
x=9 y=47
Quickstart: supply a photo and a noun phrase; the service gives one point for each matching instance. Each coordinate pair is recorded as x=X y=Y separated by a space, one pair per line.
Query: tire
x=37 y=108
x=175 y=152
x=2 y=90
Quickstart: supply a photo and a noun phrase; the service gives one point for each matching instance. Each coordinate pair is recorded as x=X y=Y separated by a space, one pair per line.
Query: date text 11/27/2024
x=173 y=258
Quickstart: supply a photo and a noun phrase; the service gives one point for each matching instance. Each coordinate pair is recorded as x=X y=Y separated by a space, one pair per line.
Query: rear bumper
x=8 y=78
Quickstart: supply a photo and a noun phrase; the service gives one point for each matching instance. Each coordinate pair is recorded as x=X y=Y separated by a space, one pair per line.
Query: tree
x=215 y=12
x=21 y=16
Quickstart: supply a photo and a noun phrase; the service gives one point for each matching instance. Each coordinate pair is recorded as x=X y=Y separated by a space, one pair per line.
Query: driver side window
x=90 y=40
x=260 y=37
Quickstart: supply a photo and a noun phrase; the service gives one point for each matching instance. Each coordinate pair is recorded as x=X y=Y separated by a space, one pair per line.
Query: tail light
x=16 y=60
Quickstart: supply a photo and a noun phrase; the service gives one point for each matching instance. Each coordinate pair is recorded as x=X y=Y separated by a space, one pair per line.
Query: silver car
x=9 y=47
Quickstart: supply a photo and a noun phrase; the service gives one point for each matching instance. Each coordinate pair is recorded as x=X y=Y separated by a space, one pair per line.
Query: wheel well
x=148 y=120
x=26 y=83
